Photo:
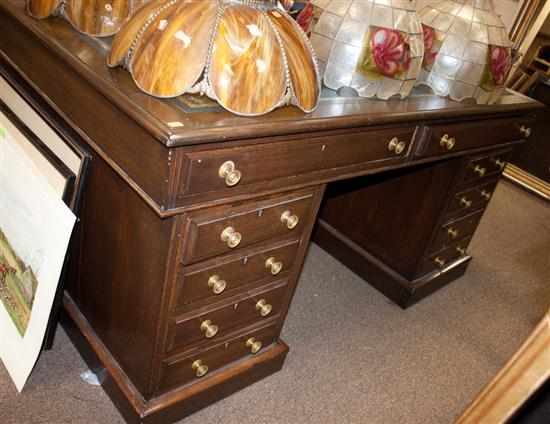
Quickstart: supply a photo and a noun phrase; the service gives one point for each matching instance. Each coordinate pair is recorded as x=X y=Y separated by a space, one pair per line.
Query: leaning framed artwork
x=40 y=176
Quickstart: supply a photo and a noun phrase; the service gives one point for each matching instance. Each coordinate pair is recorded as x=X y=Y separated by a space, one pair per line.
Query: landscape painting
x=18 y=285
x=35 y=228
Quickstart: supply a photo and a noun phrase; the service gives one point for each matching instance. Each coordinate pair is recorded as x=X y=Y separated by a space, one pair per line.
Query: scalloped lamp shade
x=248 y=55
x=372 y=46
x=468 y=53
x=98 y=18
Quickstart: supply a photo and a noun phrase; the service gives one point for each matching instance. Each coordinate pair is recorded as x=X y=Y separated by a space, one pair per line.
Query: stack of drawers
x=236 y=274
x=466 y=204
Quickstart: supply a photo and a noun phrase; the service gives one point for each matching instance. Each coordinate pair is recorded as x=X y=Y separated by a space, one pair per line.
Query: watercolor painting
x=18 y=285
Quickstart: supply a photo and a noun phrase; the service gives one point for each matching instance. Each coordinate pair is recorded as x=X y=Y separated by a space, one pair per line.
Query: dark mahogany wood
x=239 y=271
x=155 y=207
x=237 y=312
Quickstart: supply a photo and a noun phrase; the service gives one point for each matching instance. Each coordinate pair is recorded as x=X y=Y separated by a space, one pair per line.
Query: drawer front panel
x=257 y=164
x=449 y=138
x=226 y=229
x=456 y=230
x=219 y=279
x=192 y=367
x=445 y=257
x=247 y=310
x=481 y=168
x=471 y=199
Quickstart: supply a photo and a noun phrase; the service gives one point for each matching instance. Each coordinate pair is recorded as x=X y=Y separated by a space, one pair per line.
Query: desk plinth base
x=174 y=405
x=402 y=291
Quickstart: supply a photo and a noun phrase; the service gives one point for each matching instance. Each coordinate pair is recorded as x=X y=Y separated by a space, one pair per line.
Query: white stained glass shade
x=468 y=53
x=373 y=46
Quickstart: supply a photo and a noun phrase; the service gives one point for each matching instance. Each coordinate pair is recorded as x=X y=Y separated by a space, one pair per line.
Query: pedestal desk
x=195 y=222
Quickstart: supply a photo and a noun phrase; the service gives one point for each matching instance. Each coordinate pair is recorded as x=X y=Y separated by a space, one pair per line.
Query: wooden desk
x=182 y=278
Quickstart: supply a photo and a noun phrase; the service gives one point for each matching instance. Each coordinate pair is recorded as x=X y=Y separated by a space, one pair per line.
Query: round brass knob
x=199 y=368
x=447 y=142
x=396 y=146
x=480 y=171
x=231 y=175
x=209 y=329
x=231 y=237
x=440 y=262
x=289 y=219
x=264 y=307
x=500 y=163
x=465 y=202
x=452 y=232
x=525 y=131
x=254 y=345
x=486 y=195
x=461 y=250
x=217 y=284
x=273 y=265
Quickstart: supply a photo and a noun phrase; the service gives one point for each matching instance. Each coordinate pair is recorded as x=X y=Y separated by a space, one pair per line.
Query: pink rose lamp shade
x=373 y=46
x=468 y=53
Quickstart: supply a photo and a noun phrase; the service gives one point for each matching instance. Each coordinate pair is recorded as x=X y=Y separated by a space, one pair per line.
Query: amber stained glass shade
x=248 y=55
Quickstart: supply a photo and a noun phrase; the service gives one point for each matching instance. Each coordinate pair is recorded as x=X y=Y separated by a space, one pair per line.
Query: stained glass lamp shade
x=468 y=53
x=372 y=46
x=248 y=55
x=99 y=18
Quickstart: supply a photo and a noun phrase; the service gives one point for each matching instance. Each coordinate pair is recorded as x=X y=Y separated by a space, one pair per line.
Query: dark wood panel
x=250 y=308
x=231 y=227
x=262 y=163
x=456 y=230
x=392 y=215
x=223 y=277
x=468 y=135
x=122 y=270
x=179 y=371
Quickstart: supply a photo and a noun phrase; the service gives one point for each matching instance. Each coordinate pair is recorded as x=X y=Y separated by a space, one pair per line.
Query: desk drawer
x=220 y=278
x=471 y=199
x=448 y=138
x=216 y=323
x=456 y=230
x=228 y=169
x=229 y=228
x=179 y=371
x=481 y=168
x=445 y=257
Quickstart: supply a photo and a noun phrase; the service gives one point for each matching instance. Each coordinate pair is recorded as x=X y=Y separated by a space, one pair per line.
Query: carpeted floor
x=356 y=357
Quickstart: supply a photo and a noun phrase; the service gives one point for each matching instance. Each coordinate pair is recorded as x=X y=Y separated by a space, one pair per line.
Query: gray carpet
x=356 y=357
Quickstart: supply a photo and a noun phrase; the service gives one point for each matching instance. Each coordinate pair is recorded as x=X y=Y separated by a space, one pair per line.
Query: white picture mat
x=38 y=225
x=37 y=125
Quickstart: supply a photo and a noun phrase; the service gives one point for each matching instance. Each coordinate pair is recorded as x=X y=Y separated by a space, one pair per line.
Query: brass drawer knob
x=525 y=131
x=486 y=194
x=209 y=329
x=396 y=146
x=447 y=142
x=499 y=163
x=289 y=219
x=465 y=202
x=273 y=265
x=480 y=171
x=199 y=368
x=228 y=172
x=231 y=237
x=461 y=250
x=264 y=307
x=254 y=345
x=440 y=262
x=217 y=284
x=452 y=232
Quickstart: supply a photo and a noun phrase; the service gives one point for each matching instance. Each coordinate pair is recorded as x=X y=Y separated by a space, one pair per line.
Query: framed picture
x=41 y=177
